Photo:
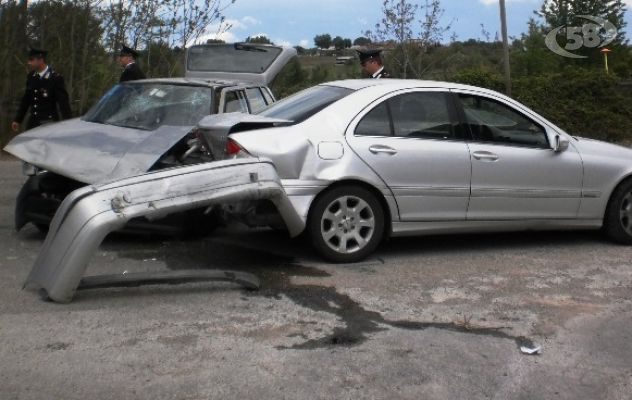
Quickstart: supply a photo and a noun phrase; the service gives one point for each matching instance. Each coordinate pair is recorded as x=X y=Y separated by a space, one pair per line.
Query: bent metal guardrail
x=89 y=214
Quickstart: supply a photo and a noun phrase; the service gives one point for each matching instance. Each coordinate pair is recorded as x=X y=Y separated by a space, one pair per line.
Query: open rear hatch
x=244 y=62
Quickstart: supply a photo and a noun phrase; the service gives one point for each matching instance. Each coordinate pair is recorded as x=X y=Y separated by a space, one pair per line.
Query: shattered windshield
x=297 y=108
x=149 y=106
x=238 y=58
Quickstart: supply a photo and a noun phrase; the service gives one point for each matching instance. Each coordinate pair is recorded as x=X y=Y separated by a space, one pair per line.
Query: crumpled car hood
x=94 y=153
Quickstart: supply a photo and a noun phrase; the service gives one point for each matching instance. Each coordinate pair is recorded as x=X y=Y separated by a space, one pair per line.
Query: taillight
x=233 y=149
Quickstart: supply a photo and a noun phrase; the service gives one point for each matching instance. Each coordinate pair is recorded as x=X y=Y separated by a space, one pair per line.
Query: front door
x=515 y=172
x=411 y=140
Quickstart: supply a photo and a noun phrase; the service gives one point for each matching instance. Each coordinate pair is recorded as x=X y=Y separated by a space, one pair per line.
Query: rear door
x=412 y=140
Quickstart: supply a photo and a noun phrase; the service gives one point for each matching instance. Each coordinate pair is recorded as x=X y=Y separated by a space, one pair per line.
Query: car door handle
x=376 y=149
x=485 y=156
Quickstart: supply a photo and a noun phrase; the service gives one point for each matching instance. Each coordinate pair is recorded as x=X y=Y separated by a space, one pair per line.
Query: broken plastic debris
x=531 y=350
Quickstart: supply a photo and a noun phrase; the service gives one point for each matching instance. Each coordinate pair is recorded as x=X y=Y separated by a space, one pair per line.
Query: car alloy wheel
x=625 y=213
x=348 y=224
x=617 y=224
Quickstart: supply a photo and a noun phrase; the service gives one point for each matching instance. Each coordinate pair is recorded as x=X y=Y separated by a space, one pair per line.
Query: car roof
x=213 y=83
x=394 y=84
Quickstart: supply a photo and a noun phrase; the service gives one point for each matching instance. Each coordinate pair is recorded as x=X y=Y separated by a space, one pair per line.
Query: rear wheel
x=618 y=219
x=346 y=224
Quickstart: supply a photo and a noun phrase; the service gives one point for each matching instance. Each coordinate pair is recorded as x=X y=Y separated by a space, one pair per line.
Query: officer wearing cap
x=372 y=63
x=45 y=93
x=131 y=70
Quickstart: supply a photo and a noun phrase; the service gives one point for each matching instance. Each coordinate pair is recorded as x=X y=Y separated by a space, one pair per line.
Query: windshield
x=304 y=104
x=237 y=58
x=149 y=106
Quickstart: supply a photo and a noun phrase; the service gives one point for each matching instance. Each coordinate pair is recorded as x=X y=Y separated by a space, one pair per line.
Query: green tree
x=323 y=41
x=261 y=39
x=529 y=55
x=362 y=41
x=564 y=13
x=339 y=43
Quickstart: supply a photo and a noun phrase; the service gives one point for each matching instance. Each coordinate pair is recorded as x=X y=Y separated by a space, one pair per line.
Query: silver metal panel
x=87 y=215
x=605 y=166
x=94 y=153
x=525 y=183
x=456 y=227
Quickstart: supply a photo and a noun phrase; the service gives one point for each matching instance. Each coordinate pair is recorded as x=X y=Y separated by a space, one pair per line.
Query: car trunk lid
x=215 y=129
x=244 y=62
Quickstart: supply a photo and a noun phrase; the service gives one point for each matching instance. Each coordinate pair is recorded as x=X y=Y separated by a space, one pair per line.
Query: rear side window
x=422 y=115
x=376 y=123
x=234 y=103
x=491 y=121
x=415 y=115
x=267 y=96
x=256 y=100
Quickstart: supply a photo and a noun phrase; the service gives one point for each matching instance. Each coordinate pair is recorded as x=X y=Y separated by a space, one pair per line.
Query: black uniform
x=382 y=75
x=42 y=96
x=367 y=55
x=132 y=73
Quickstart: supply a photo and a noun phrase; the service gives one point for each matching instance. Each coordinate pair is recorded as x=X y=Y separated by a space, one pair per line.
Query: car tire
x=346 y=224
x=618 y=219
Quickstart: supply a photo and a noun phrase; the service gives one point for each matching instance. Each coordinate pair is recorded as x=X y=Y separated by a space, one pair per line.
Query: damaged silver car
x=353 y=162
x=143 y=126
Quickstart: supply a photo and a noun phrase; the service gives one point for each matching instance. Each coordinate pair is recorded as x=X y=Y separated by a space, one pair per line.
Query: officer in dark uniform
x=131 y=71
x=45 y=92
x=372 y=63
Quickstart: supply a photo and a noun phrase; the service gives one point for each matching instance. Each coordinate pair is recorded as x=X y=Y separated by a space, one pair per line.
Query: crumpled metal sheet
x=94 y=153
x=88 y=214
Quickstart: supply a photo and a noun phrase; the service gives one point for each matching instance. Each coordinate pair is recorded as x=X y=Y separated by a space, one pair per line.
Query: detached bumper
x=89 y=214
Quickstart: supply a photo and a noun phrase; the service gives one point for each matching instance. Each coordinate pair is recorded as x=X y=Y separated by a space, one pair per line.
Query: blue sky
x=296 y=22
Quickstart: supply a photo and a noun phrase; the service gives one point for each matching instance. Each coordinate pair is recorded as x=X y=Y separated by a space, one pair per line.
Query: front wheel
x=346 y=224
x=618 y=219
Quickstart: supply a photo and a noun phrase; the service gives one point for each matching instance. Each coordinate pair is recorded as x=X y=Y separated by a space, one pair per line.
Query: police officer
x=131 y=70
x=45 y=91
x=372 y=63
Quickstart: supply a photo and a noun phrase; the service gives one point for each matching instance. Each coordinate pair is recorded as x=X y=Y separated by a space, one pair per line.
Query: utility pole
x=503 y=27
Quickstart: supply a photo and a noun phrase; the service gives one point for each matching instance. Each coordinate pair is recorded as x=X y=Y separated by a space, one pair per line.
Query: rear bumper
x=89 y=214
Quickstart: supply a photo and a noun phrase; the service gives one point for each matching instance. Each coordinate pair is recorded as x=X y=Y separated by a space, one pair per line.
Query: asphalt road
x=425 y=318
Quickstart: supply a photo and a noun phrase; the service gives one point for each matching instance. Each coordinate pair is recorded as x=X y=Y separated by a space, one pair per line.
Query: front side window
x=423 y=115
x=149 y=106
x=491 y=121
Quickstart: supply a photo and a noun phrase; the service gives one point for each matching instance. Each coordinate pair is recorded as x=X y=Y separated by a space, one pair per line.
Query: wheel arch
x=388 y=213
x=625 y=179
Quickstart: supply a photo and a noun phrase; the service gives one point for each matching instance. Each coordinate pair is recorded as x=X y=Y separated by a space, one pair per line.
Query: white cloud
x=282 y=42
x=248 y=20
x=225 y=31
x=304 y=43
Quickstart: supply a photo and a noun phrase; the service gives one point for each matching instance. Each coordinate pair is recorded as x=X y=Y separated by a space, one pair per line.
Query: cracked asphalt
x=426 y=317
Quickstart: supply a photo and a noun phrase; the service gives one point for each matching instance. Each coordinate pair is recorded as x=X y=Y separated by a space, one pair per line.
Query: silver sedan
x=365 y=159
x=352 y=162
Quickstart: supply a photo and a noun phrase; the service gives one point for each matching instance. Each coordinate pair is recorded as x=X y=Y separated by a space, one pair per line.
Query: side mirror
x=561 y=144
